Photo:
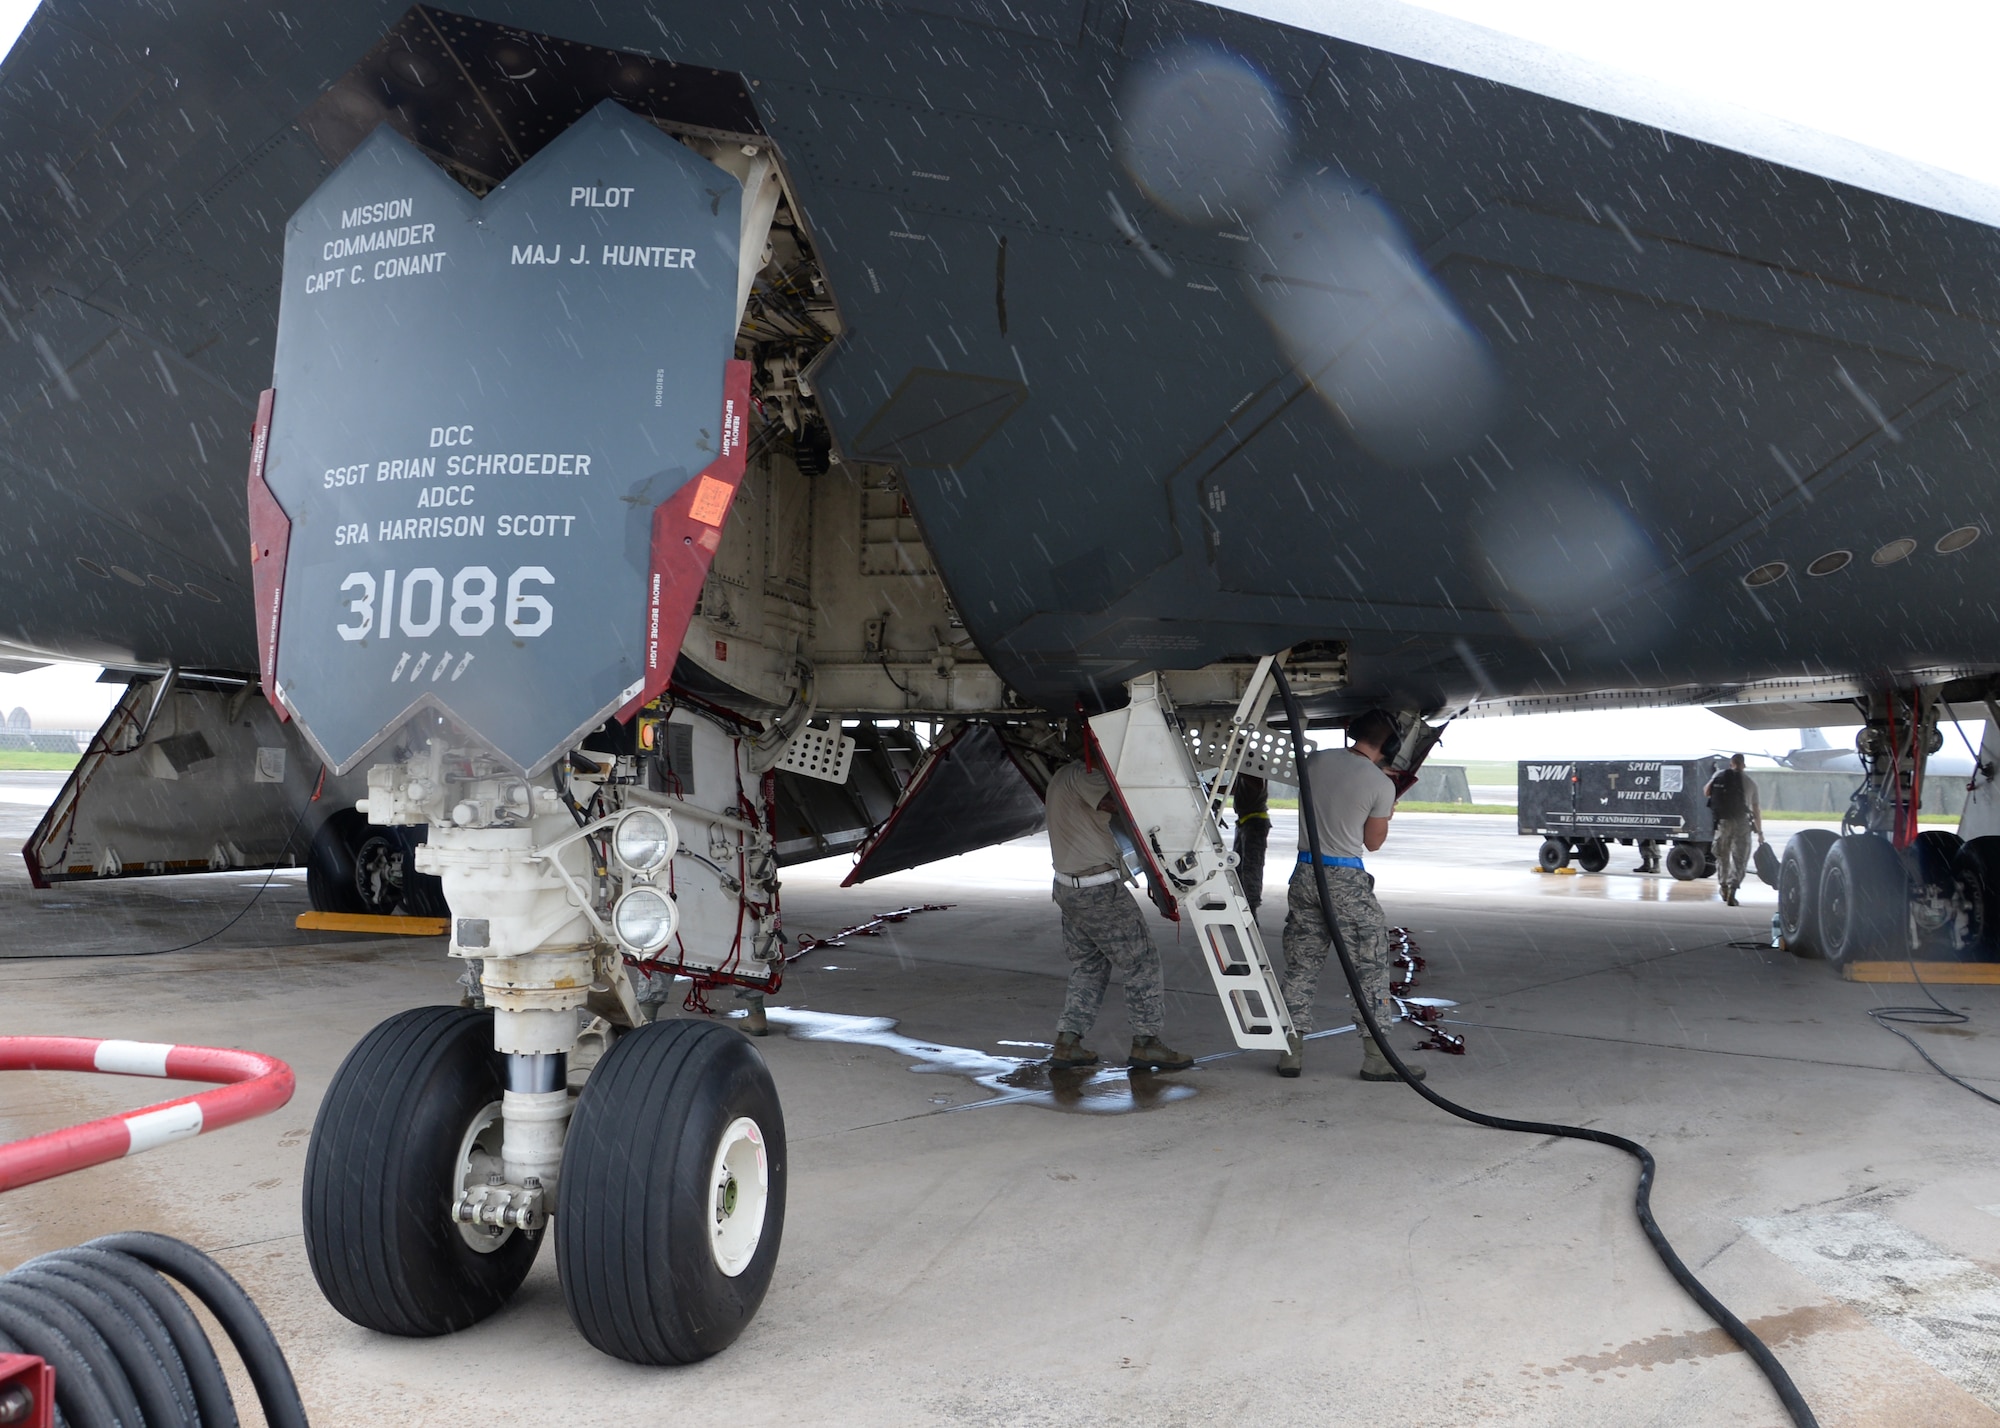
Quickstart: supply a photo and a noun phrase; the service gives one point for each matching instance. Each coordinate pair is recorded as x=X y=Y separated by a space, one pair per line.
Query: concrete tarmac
x=1317 y=1251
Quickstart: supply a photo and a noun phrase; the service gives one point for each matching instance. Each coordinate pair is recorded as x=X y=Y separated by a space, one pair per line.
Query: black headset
x=1392 y=743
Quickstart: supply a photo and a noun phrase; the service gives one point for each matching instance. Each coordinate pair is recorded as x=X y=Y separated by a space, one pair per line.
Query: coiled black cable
x=1936 y=1014
x=126 y=1348
x=1787 y=1391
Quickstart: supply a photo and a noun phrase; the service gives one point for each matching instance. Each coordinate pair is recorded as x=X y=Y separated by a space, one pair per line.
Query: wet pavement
x=1232 y=1247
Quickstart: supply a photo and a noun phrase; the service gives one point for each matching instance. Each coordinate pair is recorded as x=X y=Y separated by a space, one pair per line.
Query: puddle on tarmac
x=1630 y=887
x=1013 y=1080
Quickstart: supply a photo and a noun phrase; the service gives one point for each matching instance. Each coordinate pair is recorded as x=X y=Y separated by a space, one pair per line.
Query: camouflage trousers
x=1307 y=946
x=1102 y=929
x=1252 y=835
x=1732 y=852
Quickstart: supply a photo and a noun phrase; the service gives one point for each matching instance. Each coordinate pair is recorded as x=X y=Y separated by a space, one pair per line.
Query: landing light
x=645 y=919
x=644 y=840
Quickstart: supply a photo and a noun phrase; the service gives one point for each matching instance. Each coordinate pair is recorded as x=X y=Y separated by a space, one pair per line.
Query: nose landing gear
x=451 y=1142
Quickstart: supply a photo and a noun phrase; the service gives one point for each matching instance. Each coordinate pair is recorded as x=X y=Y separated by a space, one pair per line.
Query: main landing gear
x=1881 y=888
x=356 y=866
x=453 y=1140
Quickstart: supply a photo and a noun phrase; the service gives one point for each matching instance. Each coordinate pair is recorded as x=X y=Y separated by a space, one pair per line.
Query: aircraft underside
x=1012 y=407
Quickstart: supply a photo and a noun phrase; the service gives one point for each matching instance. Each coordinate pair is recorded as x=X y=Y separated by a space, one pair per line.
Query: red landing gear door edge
x=687 y=528
x=270 y=542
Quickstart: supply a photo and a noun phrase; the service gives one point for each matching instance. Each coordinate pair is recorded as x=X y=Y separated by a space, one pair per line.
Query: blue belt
x=1333 y=862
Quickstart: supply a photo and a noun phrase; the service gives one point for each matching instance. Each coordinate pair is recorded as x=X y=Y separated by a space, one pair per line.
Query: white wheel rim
x=479 y=1156
x=739 y=1193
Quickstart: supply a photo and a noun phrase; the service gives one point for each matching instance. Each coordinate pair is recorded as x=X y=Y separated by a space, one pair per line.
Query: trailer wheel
x=1798 y=889
x=1864 y=900
x=1976 y=871
x=1684 y=861
x=673 y=1194
x=406 y=1120
x=1592 y=855
x=1554 y=854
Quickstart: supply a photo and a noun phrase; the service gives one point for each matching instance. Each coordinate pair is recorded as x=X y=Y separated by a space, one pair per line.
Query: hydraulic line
x=1781 y=1382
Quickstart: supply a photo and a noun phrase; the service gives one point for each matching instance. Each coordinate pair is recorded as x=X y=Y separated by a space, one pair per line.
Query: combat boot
x=1070 y=1053
x=755 y=1023
x=1149 y=1053
x=1292 y=1060
x=1375 y=1066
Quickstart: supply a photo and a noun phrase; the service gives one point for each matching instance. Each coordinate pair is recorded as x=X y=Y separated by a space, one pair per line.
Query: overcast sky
x=1914 y=78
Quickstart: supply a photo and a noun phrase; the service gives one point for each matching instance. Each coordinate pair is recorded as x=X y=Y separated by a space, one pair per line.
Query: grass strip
x=15 y=760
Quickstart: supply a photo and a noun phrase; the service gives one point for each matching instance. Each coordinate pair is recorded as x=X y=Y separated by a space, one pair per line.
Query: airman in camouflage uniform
x=1252 y=797
x=1351 y=800
x=1307 y=947
x=1732 y=795
x=1102 y=927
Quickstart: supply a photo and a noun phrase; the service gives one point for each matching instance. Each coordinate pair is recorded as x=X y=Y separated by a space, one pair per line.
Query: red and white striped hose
x=248 y=1084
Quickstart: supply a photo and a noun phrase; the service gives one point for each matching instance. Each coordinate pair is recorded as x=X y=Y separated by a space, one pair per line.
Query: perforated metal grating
x=819 y=753
x=1268 y=753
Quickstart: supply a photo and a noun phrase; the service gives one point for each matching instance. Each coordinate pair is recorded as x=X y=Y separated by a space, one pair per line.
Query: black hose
x=126 y=1348
x=1936 y=1014
x=1781 y=1382
x=256 y=1345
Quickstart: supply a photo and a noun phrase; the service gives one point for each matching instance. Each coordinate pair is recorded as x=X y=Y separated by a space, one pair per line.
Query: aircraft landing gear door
x=503 y=438
x=1147 y=757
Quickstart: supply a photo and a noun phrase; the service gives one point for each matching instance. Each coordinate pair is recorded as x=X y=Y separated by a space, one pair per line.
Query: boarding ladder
x=1151 y=762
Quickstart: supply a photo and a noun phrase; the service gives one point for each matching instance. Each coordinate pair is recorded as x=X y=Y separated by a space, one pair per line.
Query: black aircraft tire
x=1798 y=889
x=1976 y=870
x=1553 y=854
x=1684 y=861
x=1592 y=855
x=423 y=893
x=1935 y=849
x=1864 y=900
x=638 y=1235
x=1932 y=860
x=378 y=1181
x=349 y=864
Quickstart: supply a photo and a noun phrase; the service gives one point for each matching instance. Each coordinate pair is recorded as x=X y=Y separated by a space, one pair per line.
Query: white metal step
x=1147 y=755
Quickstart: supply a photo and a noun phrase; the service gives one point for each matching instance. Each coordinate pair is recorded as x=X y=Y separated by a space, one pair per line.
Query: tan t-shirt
x=1079 y=831
x=1347 y=791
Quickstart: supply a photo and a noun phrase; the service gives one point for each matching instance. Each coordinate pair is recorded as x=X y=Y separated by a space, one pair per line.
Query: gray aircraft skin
x=1648 y=369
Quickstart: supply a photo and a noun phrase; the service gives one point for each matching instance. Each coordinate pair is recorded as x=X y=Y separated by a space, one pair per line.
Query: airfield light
x=645 y=919
x=644 y=840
